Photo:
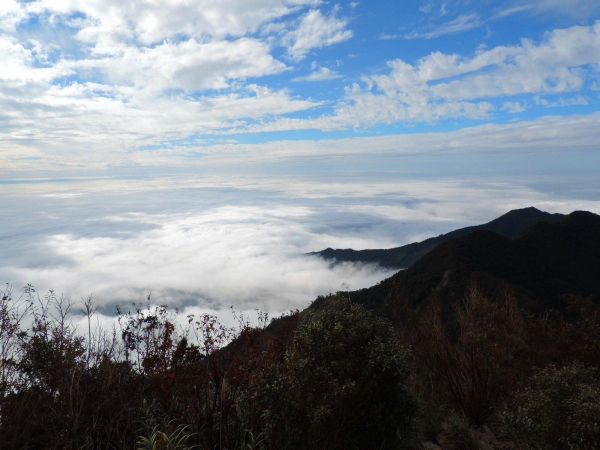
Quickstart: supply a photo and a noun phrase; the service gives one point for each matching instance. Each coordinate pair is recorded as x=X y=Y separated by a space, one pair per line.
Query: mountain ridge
x=509 y=225
x=540 y=266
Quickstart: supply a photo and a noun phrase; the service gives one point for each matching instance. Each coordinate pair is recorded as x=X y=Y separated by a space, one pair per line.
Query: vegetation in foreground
x=334 y=377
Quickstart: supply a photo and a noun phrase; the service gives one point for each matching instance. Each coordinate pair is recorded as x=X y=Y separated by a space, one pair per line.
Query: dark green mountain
x=508 y=225
x=539 y=266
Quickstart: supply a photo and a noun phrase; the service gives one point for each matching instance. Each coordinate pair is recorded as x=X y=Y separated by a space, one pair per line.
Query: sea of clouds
x=205 y=244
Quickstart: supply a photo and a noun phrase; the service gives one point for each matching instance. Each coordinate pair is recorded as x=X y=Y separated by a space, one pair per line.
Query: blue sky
x=105 y=76
x=198 y=148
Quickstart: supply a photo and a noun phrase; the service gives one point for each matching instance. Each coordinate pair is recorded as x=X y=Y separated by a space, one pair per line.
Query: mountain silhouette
x=539 y=266
x=508 y=225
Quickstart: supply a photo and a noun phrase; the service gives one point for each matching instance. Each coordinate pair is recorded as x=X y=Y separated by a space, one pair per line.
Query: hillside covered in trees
x=490 y=340
x=540 y=266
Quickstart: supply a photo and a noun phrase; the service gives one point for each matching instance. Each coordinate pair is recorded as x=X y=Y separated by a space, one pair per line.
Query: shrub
x=430 y=418
x=62 y=394
x=62 y=389
x=559 y=408
x=475 y=363
x=341 y=385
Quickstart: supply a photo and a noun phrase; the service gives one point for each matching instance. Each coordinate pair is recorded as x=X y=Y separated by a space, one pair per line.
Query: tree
x=558 y=408
x=341 y=385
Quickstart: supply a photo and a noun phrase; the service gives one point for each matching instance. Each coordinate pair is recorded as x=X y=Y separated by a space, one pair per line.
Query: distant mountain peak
x=510 y=225
x=546 y=262
x=528 y=208
x=529 y=211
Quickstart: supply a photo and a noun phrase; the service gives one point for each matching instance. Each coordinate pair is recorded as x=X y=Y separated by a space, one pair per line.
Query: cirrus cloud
x=315 y=30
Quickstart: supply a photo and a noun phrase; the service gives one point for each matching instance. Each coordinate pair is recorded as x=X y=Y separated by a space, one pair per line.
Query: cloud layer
x=183 y=146
x=441 y=86
x=208 y=247
x=104 y=77
x=221 y=241
x=168 y=68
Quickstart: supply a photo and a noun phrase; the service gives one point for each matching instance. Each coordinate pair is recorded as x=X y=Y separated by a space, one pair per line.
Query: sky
x=199 y=148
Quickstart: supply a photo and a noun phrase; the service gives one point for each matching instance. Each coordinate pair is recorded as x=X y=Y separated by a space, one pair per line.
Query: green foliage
x=342 y=385
x=165 y=436
x=559 y=408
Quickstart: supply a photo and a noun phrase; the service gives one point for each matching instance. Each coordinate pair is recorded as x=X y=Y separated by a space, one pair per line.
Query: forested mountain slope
x=547 y=261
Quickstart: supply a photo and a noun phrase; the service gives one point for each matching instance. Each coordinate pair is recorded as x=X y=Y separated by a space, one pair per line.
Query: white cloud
x=426 y=8
x=189 y=65
x=131 y=107
x=579 y=100
x=461 y=24
x=238 y=239
x=572 y=9
x=111 y=21
x=576 y=8
x=441 y=86
x=235 y=240
x=251 y=257
x=194 y=42
x=314 y=30
x=17 y=65
x=512 y=10
x=134 y=95
x=321 y=74
x=11 y=13
x=555 y=65
x=65 y=120
x=513 y=107
x=551 y=133
x=547 y=134
x=144 y=70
